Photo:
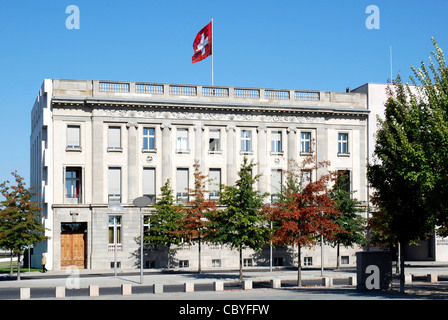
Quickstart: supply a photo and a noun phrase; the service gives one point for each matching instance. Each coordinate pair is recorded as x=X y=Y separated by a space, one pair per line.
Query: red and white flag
x=202 y=44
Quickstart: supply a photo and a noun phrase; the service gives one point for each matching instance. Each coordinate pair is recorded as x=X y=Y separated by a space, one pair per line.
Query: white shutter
x=182 y=181
x=73 y=135
x=276 y=181
x=115 y=181
x=114 y=137
x=149 y=182
x=215 y=180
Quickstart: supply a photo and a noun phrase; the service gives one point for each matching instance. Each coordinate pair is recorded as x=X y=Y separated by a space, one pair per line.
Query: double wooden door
x=73 y=249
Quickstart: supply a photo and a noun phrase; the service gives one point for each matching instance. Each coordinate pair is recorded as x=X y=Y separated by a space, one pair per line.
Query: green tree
x=241 y=224
x=350 y=219
x=165 y=222
x=20 y=218
x=410 y=172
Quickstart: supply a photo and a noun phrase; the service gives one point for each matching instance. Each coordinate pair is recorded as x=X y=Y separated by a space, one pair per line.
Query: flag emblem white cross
x=202 y=44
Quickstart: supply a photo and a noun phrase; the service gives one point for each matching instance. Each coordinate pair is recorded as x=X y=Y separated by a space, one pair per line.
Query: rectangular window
x=216 y=263
x=246 y=141
x=308 y=261
x=344 y=178
x=149 y=139
x=114 y=142
x=305 y=178
x=115 y=230
x=114 y=185
x=343 y=143
x=149 y=183
x=182 y=140
x=214 y=140
x=345 y=260
x=214 y=183
x=305 y=142
x=73 y=137
x=276 y=141
x=276 y=184
x=182 y=184
x=184 y=263
x=73 y=185
x=248 y=262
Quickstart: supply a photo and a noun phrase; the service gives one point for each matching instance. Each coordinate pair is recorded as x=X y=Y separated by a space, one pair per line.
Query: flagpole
x=213 y=51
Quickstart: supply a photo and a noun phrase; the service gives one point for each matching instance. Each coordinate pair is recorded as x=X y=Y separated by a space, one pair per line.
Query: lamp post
x=141 y=202
x=115 y=208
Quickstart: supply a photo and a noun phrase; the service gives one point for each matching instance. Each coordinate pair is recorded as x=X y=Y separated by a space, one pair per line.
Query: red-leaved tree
x=195 y=224
x=304 y=210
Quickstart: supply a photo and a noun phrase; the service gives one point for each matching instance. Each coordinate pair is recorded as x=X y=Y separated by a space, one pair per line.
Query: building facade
x=99 y=144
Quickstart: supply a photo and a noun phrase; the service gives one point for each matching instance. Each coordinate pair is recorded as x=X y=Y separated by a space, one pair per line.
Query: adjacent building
x=98 y=145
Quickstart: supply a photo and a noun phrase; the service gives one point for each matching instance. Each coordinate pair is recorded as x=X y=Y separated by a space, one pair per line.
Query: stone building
x=95 y=144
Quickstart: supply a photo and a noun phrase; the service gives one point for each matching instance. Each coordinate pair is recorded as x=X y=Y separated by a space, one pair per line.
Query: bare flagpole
x=213 y=51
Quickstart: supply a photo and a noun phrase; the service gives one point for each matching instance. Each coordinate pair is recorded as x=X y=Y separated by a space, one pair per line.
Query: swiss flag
x=202 y=44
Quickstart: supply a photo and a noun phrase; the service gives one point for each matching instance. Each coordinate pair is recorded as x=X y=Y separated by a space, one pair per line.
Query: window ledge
x=246 y=152
x=73 y=149
x=183 y=151
x=346 y=154
x=214 y=151
x=277 y=153
x=109 y=149
x=149 y=150
x=305 y=154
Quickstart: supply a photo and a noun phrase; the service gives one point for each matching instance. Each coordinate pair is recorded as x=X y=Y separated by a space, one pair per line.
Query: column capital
x=166 y=125
x=291 y=130
x=231 y=127
x=132 y=124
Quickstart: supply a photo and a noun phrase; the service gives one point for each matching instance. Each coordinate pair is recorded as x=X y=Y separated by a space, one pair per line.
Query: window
x=114 y=176
x=305 y=142
x=184 y=263
x=73 y=185
x=345 y=180
x=214 y=176
x=305 y=178
x=345 y=260
x=276 y=184
x=146 y=225
x=308 y=261
x=182 y=140
x=73 y=138
x=216 y=263
x=246 y=143
x=248 y=262
x=214 y=140
x=114 y=142
x=149 y=139
x=149 y=183
x=276 y=141
x=114 y=230
x=343 y=143
x=278 y=262
x=182 y=185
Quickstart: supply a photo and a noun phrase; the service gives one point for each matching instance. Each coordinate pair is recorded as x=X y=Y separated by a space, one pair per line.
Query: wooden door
x=73 y=249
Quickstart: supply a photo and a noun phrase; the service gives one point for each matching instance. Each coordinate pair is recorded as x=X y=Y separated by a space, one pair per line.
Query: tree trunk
x=401 y=269
x=18 y=266
x=11 y=270
x=168 y=258
x=199 y=256
x=241 y=263
x=338 y=258
x=299 y=266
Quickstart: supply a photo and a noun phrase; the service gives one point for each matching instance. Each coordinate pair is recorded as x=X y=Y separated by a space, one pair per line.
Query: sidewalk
x=83 y=278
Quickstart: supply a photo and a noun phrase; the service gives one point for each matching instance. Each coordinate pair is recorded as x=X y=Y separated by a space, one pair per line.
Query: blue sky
x=316 y=45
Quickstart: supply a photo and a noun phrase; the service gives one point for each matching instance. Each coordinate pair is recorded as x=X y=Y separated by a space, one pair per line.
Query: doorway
x=73 y=244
